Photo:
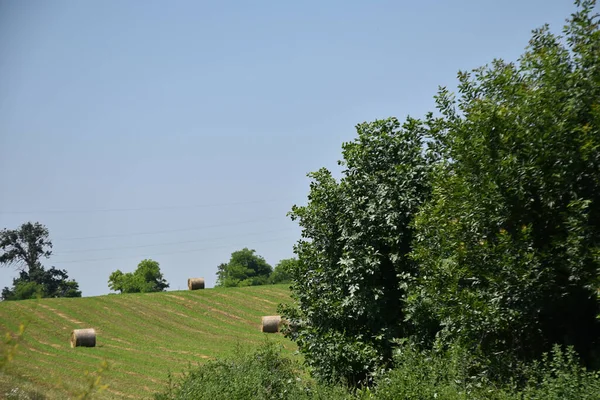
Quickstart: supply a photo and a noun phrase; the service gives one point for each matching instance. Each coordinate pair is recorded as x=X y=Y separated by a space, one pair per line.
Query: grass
x=142 y=337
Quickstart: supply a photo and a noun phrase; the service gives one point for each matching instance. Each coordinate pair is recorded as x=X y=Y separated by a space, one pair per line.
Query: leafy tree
x=23 y=290
x=282 y=271
x=509 y=245
x=353 y=266
x=42 y=282
x=245 y=268
x=145 y=279
x=24 y=248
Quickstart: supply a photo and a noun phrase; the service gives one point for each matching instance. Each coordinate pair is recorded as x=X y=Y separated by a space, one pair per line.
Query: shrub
x=508 y=247
x=353 y=266
x=450 y=375
x=262 y=374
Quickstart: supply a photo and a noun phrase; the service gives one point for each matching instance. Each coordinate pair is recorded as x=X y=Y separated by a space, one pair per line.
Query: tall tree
x=353 y=259
x=42 y=282
x=145 y=279
x=245 y=268
x=25 y=248
x=509 y=245
x=282 y=273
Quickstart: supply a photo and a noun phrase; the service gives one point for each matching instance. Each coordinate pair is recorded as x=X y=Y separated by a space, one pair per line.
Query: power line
x=168 y=243
x=141 y=208
x=163 y=254
x=169 y=230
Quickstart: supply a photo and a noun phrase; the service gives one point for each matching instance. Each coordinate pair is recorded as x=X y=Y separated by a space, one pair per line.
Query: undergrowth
x=418 y=375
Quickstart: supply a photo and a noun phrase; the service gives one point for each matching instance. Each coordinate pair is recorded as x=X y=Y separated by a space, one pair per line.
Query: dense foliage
x=24 y=248
x=419 y=375
x=353 y=260
x=245 y=268
x=145 y=279
x=477 y=228
x=425 y=375
x=261 y=374
x=43 y=283
x=509 y=245
x=282 y=271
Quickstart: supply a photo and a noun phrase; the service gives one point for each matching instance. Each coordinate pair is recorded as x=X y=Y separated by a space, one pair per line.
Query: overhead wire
x=168 y=243
x=134 y=209
x=162 y=254
x=169 y=230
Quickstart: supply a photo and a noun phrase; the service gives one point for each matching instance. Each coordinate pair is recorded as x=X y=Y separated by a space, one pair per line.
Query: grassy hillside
x=141 y=336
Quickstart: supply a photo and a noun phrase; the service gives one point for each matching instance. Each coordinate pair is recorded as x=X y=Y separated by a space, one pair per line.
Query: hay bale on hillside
x=270 y=323
x=83 y=338
x=195 y=283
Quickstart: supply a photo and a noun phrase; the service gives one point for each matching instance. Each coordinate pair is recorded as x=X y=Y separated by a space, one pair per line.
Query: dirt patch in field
x=121 y=394
x=269 y=302
x=112 y=311
x=120 y=340
x=123 y=348
x=60 y=314
x=204 y=306
x=56 y=346
x=179 y=297
x=186 y=352
x=145 y=353
x=39 y=351
x=144 y=376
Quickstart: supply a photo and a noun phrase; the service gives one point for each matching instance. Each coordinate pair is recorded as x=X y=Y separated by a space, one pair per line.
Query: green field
x=141 y=336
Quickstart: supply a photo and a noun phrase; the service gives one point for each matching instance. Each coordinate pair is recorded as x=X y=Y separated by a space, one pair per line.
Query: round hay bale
x=83 y=338
x=195 y=283
x=270 y=323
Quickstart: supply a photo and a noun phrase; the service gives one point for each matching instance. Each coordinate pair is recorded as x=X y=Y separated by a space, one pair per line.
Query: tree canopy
x=25 y=248
x=476 y=227
x=245 y=268
x=509 y=244
x=282 y=273
x=353 y=258
x=145 y=279
x=43 y=283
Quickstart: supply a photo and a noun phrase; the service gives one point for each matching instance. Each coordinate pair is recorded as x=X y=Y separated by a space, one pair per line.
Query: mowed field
x=142 y=337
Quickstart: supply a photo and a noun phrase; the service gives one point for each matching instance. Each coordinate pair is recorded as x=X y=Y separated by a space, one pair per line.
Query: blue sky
x=182 y=131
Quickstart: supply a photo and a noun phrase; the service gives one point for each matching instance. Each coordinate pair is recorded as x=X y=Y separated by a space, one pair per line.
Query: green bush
x=508 y=245
x=450 y=376
x=488 y=239
x=353 y=266
x=262 y=374
x=245 y=268
x=559 y=376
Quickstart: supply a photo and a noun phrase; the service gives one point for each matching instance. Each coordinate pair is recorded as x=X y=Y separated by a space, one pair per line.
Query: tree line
x=475 y=228
x=26 y=247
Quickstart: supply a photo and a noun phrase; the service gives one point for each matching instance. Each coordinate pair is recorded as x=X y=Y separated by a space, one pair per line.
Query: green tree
x=245 y=268
x=282 y=271
x=24 y=248
x=42 y=282
x=509 y=245
x=145 y=279
x=353 y=266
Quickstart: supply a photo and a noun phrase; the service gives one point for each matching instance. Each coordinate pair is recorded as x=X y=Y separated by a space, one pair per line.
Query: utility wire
x=168 y=243
x=168 y=253
x=169 y=230
x=141 y=208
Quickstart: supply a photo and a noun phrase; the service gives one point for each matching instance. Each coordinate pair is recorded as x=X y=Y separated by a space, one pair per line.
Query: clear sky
x=183 y=130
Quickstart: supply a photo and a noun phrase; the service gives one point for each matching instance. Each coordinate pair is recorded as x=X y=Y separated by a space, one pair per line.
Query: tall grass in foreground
x=267 y=374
